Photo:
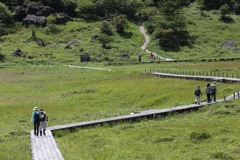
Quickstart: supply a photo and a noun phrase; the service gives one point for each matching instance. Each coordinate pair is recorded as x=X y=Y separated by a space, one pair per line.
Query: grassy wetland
x=74 y=95
x=40 y=78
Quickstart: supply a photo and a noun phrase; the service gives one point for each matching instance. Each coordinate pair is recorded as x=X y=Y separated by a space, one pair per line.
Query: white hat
x=35 y=108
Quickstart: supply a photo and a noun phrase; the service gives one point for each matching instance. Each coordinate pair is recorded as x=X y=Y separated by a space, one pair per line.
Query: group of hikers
x=210 y=91
x=39 y=119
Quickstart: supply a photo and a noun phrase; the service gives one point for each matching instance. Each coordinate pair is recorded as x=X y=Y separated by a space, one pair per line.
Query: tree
x=106 y=28
x=6 y=19
x=224 y=10
x=170 y=29
x=5 y=15
x=120 y=23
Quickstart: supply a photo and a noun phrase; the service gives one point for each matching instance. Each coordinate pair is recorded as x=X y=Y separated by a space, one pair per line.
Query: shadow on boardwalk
x=46 y=148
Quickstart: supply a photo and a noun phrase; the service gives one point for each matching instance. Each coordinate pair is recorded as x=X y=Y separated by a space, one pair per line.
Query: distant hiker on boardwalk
x=35 y=120
x=208 y=92
x=214 y=91
x=139 y=57
x=197 y=93
x=151 y=57
x=43 y=122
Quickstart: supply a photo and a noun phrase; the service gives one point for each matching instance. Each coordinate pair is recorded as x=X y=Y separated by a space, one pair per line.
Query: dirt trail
x=147 y=40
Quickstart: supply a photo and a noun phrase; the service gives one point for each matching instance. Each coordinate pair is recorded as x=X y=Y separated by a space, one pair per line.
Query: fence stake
x=234 y=96
x=224 y=99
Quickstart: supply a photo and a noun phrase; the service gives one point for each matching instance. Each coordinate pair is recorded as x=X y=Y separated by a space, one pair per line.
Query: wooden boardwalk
x=45 y=147
x=208 y=78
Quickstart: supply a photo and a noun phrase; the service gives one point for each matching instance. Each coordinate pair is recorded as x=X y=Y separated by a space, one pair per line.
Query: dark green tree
x=106 y=28
x=6 y=19
x=120 y=23
x=104 y=40
x=171 y=26
x=224 y=10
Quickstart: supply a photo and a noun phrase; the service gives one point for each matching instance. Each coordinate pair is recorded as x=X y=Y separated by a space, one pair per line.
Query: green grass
x=75 y=95
x=210 y=133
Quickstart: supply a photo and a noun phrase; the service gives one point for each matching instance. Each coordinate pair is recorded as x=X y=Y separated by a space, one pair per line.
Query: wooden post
x=224 y=99
x=234 y=96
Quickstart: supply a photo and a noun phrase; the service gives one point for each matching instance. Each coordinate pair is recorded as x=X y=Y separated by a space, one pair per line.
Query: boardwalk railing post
x=224 y=99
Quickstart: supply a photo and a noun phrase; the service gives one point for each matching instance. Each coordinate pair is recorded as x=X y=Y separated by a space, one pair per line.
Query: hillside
x=98 y=36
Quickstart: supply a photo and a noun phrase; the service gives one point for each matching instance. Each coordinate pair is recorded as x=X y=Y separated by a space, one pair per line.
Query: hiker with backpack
x=197 y=93
x=208 y=92
x=35 y=119
x=214 y=91
x=43 y=122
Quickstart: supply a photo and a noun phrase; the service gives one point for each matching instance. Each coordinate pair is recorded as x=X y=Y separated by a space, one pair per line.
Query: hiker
x=208 y=92
x=43 y=122
x=139 y=57
x=214 y=91
x=35 y=120
x=151 y=57
x=197 y=93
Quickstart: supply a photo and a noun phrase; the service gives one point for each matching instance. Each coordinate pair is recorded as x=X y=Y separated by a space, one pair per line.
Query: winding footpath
x=147 y=40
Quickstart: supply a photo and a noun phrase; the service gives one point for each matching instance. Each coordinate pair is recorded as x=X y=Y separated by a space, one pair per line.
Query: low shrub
x=199 y=136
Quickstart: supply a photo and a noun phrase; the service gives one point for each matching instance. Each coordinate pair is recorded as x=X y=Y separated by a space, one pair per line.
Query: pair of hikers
x=210 y=91
x=39 y=119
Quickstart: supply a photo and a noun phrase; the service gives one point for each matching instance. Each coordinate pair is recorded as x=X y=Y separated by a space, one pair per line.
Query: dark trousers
x=214 y=96
x=208 y=97
x=36 y=127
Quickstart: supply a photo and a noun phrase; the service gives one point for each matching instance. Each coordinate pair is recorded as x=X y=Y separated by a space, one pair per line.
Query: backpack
x=197 y=91
x=213 y=88
x=36 y=116
x=42 y=117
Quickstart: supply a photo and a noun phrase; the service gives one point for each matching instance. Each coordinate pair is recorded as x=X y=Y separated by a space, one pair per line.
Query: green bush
x=120 y=23
x=199 y=136
x=106 y=28
x=52 y=29
x=2 y=57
